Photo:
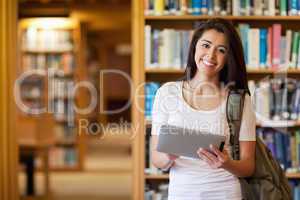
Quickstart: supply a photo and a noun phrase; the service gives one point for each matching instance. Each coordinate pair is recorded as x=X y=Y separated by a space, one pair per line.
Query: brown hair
x=234 y=71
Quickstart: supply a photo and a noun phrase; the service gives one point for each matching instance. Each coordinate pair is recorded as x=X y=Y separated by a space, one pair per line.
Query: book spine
x=148 y=47
x=210 y=7
x=197 y=7
x=272 y=9
x=263 y=48
x=295 y=46
x=276 y=46
x=204 y=7
x=217 y=7
x=183 y=7
x=159 y=7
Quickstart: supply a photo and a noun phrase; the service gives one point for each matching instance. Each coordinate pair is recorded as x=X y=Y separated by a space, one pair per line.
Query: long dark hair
x=234 y=70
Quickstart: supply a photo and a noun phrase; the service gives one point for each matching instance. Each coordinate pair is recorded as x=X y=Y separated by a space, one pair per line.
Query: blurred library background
x=74 y=59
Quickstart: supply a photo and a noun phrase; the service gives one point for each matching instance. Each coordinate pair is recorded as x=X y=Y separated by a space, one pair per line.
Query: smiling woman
x=215 y=59
x=8 y=152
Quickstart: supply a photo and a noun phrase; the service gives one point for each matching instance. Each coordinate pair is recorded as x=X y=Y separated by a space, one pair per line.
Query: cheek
x=198 y=56
x=222 y=59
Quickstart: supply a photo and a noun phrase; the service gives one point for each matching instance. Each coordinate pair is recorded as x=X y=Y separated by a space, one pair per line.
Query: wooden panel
x=8 y=146
x=137 y=116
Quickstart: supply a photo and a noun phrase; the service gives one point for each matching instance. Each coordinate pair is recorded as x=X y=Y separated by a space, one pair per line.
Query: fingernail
x=211 y=146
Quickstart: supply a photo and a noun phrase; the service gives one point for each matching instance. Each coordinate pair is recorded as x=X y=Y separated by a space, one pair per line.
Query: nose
x=211 y=53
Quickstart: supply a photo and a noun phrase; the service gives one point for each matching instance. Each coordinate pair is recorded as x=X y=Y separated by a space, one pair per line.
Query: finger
x=202 y=156
x=205 y=159
x=172 y=157
x=209 y=155
x=216 y=151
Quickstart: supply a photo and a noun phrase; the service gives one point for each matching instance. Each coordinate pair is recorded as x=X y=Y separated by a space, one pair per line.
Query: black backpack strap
x=234 y=111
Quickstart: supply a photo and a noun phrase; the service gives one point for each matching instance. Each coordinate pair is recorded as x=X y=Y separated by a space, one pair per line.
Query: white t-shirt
x=193 y=179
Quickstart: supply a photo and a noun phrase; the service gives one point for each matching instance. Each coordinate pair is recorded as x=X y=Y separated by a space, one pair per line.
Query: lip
x=208 y=63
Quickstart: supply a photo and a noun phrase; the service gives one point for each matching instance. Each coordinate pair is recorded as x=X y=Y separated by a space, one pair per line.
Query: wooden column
x=137 y=73
x=8 y=57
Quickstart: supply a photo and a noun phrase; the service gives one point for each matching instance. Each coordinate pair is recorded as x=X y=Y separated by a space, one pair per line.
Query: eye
x=205 y=45
x=222 y=50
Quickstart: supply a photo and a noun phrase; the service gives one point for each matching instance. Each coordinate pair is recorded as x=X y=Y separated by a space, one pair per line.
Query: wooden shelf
x=249 y=71
x=270 y=71
x=65 y=168
x=36 y=51
x=157 y=176
x=234 y=18
x=166 y=176
x=275 y=124
x=164 y=71
x=64 y=143
x=293 y=175
x=278 y=124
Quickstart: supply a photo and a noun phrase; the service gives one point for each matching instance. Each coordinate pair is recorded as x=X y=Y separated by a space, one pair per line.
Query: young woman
x=198 y=102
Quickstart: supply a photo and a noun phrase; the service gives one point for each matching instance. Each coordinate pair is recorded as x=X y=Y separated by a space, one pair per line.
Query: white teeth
x=208 y=63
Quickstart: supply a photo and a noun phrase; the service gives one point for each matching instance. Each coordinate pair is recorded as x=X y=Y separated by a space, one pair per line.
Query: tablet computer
x=186 y=142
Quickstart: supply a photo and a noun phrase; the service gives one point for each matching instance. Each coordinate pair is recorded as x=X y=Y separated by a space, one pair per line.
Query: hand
x=214 y=157
x=172 y=157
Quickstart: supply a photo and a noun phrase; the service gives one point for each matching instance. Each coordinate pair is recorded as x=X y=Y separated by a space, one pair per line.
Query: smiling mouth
x=207 y=63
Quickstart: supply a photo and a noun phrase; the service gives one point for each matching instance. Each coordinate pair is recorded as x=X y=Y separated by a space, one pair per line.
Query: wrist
x=168 y=165
x=227 y=165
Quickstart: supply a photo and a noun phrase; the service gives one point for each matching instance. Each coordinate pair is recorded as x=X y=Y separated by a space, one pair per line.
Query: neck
x=204 y=85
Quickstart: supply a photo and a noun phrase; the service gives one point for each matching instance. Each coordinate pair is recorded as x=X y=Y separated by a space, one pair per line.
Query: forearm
x=160 y=160
x=240 y=168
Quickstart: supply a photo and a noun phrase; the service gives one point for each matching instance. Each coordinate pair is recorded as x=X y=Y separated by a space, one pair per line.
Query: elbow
x=250 y=171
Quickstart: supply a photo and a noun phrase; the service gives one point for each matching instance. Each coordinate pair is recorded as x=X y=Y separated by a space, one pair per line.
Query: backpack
x=268 y=181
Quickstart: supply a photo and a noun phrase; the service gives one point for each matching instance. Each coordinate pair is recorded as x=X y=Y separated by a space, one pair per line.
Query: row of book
x=295 y=186
x=46 y=40
x=60 y=88
x=31 y=92
x=156 y=194
x=269 y=48
x=63 y=110
x=263 y=47
x=63 y=157
x=64 y=62
x=166 y=48
x=150 y=91
x=223 y=7
x=65 y=134
x=276 y=99
x=285 y=147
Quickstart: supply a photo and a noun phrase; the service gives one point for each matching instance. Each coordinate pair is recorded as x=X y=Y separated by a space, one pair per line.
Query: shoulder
x=170 y=88
x=248 y=100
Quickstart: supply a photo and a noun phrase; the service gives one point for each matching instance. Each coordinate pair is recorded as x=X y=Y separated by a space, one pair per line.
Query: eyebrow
x=211 y=43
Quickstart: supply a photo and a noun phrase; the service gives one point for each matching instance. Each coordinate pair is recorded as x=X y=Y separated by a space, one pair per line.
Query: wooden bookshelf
x=270 y=123
x=166 y=176
x=293 y=175
x=47 y=51
x=71 y=46
x=157 y=176
x=142 y=73
x=249 y=71
x=233 y=18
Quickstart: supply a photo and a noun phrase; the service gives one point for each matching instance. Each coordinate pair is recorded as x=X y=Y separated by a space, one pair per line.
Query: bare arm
x=246 y=165
x=160 y=160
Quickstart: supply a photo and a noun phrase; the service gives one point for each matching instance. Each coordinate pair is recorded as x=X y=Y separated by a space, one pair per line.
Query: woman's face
x=211 y=53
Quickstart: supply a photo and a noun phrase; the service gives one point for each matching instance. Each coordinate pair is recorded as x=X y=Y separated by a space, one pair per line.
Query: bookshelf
x=142 y=72
x=53 y=49
x=249 y=71
x=233 y=18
